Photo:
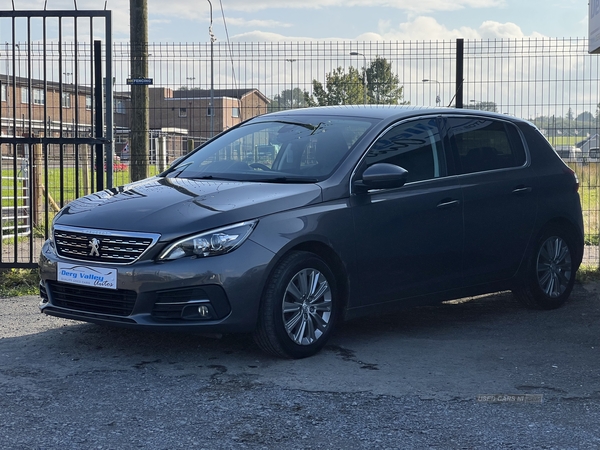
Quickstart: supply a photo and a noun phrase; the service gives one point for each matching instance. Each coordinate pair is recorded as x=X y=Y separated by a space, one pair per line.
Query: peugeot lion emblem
x=95 y=244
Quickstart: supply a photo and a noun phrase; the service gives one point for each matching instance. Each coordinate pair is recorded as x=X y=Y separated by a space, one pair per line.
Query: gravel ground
x=415 y=379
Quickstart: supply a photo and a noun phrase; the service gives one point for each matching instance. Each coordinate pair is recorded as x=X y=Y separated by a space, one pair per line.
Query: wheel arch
x=572 y=231
x=331 y=258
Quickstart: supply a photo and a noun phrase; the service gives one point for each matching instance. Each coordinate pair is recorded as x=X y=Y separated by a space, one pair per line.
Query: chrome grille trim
x=115 y=247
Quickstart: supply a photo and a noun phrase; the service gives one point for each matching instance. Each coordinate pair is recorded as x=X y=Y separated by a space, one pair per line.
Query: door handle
x=522 y=190
x=447 y=203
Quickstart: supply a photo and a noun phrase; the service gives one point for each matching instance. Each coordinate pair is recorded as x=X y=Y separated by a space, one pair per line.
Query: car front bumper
x=218 y=294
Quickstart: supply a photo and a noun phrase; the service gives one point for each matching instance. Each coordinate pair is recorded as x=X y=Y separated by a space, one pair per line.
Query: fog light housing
x=198 y=311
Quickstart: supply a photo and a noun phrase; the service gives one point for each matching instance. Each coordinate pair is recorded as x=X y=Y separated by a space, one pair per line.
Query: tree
x=383 y=87
x=570 y=116
x=340 y=88
x=348 y=88
x=296 y=98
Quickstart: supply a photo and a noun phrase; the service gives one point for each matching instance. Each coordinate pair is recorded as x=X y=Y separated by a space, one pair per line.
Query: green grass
x=564 y=141
x=68 y=182
x=589 y=192
x=17 y=282
x=588 y=273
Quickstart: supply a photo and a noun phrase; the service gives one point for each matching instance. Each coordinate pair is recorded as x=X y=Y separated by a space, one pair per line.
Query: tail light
x=572 y=172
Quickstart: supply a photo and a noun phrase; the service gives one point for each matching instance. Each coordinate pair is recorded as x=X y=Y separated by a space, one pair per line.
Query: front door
x=409 y=239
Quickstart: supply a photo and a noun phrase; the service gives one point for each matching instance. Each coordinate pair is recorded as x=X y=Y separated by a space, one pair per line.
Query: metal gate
x=56 y=121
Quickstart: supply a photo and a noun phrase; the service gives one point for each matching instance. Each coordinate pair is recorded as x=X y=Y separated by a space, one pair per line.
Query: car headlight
x=210 y=243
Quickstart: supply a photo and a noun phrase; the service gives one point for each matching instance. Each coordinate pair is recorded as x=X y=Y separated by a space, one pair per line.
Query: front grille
x=101 y=246
x=92 y=300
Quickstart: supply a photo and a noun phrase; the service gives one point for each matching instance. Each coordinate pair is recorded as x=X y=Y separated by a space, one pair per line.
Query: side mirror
x=382 y=176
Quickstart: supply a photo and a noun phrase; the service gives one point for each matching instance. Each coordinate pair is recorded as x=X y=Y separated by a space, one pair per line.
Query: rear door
x=500 y=203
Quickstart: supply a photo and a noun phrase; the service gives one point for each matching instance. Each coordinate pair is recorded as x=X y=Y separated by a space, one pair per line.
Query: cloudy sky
x=348 y=20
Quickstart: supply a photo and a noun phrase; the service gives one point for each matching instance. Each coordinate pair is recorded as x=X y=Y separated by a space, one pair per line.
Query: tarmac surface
x=479 y=373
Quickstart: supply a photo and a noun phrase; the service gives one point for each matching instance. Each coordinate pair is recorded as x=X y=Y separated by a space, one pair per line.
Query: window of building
x=24 y=95
x=182 y=112
x=209 y=111
x=88 y=102
x=120 y=107
x=38 y=96
x=66 y=100
x=235 y=112
x=3 y=93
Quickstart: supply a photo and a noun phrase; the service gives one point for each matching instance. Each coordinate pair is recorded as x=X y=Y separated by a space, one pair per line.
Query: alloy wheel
x=307 y=306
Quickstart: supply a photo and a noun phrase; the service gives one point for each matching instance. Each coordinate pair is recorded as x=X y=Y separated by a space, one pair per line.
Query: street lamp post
x=438 y=99
x=212 y=73
x=291 y=61
x=364 y=74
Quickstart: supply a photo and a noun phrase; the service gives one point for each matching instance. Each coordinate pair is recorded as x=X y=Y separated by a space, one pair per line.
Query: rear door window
x=482 y=144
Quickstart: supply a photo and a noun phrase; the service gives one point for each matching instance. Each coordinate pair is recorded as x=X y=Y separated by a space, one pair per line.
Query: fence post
x=85 y=168
x=460 y=62
x=38 y=185
x=161 y=154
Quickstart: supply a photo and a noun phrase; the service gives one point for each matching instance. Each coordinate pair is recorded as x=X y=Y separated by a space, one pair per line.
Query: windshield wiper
x=285 y=180
x=210 y=177
x=300 y=124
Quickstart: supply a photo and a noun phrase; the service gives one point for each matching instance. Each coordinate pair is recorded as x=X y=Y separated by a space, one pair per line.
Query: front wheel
x=550 y=272
x=299 y=308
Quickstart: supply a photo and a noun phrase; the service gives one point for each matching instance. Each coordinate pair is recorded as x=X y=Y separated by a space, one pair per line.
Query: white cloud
x=265 y=36
x=194 y=8
x=239 y=22
x=420 y=29
x=406 y=5
x=427 y=28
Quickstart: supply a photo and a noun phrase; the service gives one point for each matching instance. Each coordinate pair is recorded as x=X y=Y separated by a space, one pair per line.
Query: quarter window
x=415 y=146
x=483 y=144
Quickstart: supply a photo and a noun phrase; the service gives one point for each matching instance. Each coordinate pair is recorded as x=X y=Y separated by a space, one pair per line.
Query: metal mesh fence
x=201 y=89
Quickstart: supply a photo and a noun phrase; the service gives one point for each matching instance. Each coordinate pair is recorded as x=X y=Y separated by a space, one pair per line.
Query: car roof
x=382 y=112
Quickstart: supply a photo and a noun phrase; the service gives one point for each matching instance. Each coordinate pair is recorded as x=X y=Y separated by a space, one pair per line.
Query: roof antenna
x=13 y=2
x=75 y=1
x=45 y=4
x=105 y=3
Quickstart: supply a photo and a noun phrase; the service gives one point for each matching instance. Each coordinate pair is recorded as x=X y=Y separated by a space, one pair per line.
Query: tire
x=550 y=271
x=299 y=308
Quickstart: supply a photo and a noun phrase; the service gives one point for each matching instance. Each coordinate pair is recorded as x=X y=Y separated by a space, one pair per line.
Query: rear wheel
x=550 y=272
x=299 y=308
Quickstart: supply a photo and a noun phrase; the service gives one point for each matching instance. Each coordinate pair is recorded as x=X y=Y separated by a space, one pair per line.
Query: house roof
x=218 y=93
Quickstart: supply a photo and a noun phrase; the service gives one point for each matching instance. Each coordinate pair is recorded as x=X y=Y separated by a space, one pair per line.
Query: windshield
x=283 y=149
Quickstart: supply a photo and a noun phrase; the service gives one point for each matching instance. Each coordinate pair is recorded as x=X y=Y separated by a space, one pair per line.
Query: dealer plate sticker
x=100 y=277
